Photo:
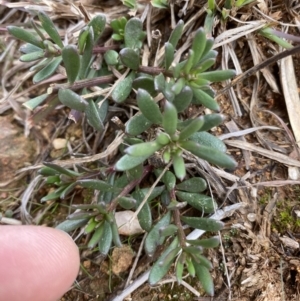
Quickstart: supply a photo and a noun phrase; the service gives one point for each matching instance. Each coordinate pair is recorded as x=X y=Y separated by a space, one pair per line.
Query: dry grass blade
x=291 y=94
x=264 y=152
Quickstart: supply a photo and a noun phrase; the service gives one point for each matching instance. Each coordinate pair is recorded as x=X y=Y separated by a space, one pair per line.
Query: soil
x=259 y=256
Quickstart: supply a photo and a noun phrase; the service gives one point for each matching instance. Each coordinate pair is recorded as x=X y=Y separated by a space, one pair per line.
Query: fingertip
x=37 y=263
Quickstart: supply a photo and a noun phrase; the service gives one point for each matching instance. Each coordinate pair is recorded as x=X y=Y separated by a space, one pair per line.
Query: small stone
x=59 y=143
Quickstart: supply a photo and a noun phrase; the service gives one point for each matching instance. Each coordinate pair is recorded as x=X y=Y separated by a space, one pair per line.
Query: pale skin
x=36 y=263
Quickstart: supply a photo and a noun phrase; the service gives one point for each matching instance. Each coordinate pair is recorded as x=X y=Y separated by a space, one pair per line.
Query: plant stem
x=112 y=206
x=177 y=221
x=85 y=83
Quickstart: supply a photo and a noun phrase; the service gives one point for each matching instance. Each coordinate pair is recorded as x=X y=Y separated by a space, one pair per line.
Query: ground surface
x=260 y=241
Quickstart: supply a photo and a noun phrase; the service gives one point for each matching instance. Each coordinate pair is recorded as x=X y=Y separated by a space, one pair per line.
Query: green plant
x=157 y=129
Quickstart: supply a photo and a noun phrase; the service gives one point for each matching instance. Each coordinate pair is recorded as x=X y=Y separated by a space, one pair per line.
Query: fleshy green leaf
x=71 y=225
x=95 y=114
x=72 y=100
x=34 y=102
x=178 y=85
x=26 y=36
x=153 y=237
x=127 y=202
x=127 y=162
x=144 y=82
x=148 y=107
x=48 y=70
x=179 y=167
x=86 y=57
x=163 y=139
x=218 y=76
x=123 y=89
x=61 y=170
x=209 y=154
x=198 y=45
x=144 y=216
x=98 y=23
x=96 y=236
x=133 y=33
x=32 y=56
x=91 y=225
x=205 y=99
x=50 y=28
x=96 y=184
x=212 y=120
x=169 y=55
x=111 y=57
x=199 y=201
x=183 y=99
x=159 y=82
x=190 y=62
x=130 y=58
x=205 y=65
x=192 y=128
x=170 y=119
x=205 y=278
x=203 y=223
x=71 y=61
x=176 y=34
x=169 y=180
x=83 y=35
x=207 y=139
x=29 y=48
x=67 y=190
x=143 y=149
x=54 y=195
x=106 y=239
x=211 y=242
x=158 y=271
x=115 y=233
x=194 y=184
x=168 y=230
x=137 y=125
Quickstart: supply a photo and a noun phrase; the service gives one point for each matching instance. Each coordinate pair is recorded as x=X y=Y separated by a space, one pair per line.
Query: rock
x=121 y=259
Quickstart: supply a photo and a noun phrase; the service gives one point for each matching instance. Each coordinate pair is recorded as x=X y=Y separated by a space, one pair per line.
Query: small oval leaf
x=137 y=125
x=127 y=162
x=26 y=36
x=148 y=107
x=205 y=99
x=47 y=71
x=183 y=99
x=143 y=149
x=203 y=223
x=199 y=201
x=209 y=154
x=152 y=239
x=130 y=58
x=71 y=61
x=207 y=139
x=106 y=239
x=191 y=128
x=195 y=184
x=123 y=89
x=205 y=278
x=72 y=100
x=50 y=28
x=170 y=118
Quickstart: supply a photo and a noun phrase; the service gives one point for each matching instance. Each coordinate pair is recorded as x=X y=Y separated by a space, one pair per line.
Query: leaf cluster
x=162 y=94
